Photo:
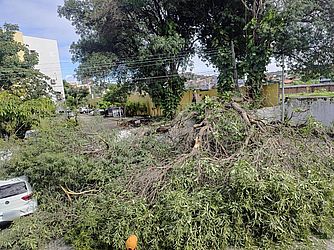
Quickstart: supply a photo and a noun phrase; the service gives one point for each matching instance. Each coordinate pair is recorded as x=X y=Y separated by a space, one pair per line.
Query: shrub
x=135 y=108
x=274 y=186
x=17 y=115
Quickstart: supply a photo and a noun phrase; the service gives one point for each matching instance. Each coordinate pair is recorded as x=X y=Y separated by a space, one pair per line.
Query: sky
x=39 y=18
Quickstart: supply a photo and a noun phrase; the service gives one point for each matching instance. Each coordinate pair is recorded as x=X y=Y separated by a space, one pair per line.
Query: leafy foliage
x=306 y=39
x=147 y=43
x=75 y=96
x=143 y=44
x=116 y=94
x=17 y=73
x=135 y=108
x=275 y=189
x=17 y=115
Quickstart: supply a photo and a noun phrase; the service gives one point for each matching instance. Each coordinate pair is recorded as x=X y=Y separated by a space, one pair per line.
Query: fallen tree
x=218 y=177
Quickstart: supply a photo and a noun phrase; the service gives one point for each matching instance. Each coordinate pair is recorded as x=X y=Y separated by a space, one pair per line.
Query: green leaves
x=306 y=37
x=75 y=96
x=276 y=190
x=140 y=44
x=17 y=73
x=116 y=94
x=17 y=115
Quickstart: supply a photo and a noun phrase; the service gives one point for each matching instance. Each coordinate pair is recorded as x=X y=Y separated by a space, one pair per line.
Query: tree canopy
x=75 y=96
x=147 y=43
x=17 y=62
x=307 y=39
x=18 y=115
x=23 y=89
x=141 y=43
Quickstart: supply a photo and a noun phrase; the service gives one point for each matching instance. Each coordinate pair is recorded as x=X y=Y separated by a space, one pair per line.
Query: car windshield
x=12 y=189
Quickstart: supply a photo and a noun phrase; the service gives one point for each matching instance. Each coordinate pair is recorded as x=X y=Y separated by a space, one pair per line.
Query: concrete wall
x=299 y=109
x=320 y=108
x=49 y=63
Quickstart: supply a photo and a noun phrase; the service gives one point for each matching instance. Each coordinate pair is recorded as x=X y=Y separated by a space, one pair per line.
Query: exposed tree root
x=249 y=120
x=206 y=140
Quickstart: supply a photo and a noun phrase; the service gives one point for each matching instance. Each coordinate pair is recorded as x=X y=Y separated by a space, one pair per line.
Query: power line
x=125 y=60
x=99 y=70
x=163 y=76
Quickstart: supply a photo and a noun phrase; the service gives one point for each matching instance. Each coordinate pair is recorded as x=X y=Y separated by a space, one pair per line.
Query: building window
x=53 y=81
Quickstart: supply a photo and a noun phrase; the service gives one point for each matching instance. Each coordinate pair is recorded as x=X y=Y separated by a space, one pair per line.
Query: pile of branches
x=225 y=133
x=215 y=177
x=272 y=183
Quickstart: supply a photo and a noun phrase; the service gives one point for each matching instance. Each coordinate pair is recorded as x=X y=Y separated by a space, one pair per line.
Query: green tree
x=244 y=29
x=24 y=92
x=17 y=72
x=307 y=40
x=116 y=94
x=161 y=36
x=18 y=115
x=75 y=96
x=113 y=33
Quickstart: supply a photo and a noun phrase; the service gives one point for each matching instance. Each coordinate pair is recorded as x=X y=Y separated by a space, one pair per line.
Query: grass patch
x=314 y=94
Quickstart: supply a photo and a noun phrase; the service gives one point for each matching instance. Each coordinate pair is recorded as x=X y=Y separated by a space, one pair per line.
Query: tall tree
x=307 y=40
x=75 y=95
x=17 y=72
x=144 y=43
x=238 y=35
x=300 y=30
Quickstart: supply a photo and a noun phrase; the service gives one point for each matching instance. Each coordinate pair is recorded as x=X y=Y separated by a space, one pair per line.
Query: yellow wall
x=270 y=94
x=152 y=110
x=18 y=37
x=188 y=97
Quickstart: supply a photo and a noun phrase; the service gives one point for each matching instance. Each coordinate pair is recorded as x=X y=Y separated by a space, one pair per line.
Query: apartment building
x=49 y=63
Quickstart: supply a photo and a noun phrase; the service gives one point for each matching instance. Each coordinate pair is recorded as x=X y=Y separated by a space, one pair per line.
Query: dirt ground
x=98 y=123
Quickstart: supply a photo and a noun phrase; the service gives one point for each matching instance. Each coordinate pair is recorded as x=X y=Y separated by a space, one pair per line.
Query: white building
x=49 y=63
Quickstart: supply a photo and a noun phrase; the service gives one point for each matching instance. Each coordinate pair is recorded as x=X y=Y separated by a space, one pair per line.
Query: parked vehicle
x=70 y=113
x=114 y=112
x=16 y=199
x=30 y=133
x=84 y=110
x=325 y=80
x=97 y=112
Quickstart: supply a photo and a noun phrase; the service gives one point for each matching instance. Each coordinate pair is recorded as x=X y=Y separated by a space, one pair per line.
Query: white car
x=16 y=199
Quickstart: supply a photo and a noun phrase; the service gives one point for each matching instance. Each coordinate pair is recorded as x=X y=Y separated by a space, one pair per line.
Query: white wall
x=49 y=63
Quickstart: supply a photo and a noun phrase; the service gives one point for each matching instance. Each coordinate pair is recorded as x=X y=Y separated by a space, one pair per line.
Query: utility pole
x=283 y=94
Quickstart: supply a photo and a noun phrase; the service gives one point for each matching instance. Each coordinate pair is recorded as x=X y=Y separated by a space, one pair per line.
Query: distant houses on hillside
x=200 y=82
x=291 y=78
